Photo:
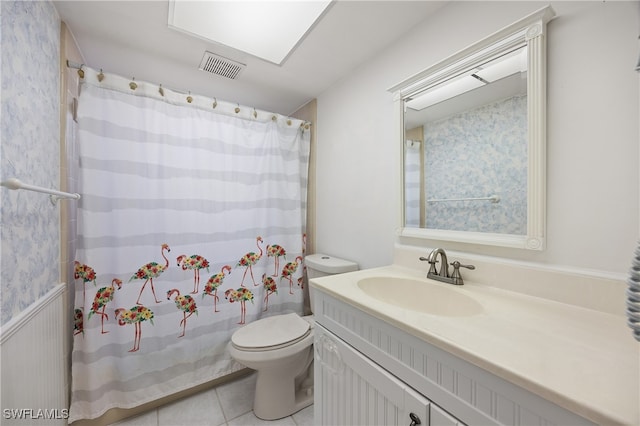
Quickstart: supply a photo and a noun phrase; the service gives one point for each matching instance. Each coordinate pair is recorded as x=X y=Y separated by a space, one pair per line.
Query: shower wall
x=479 y=153
x=30 y=123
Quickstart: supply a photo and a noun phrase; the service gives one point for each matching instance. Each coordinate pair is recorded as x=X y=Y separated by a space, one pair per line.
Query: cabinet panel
x=352 y=390
x=441 y=418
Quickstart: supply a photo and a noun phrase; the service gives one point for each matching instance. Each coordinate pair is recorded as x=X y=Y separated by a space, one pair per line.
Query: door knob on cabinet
x=415 y=420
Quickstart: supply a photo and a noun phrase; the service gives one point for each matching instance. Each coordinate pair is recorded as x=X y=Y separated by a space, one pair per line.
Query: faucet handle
x=432 y=263
x=457 y=265
x=456 y=278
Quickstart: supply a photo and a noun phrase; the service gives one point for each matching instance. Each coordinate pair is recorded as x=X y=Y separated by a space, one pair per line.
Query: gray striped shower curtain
x=191 y=224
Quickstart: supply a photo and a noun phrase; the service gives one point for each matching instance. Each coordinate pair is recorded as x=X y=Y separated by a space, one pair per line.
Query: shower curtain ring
x=133 y=84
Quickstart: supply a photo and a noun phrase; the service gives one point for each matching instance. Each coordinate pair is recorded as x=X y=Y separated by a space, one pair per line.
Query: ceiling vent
x=220 y=65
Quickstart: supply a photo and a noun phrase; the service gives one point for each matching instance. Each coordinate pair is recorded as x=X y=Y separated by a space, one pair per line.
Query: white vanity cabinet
x=356 y=391
x=385 y=373
x=353 y=390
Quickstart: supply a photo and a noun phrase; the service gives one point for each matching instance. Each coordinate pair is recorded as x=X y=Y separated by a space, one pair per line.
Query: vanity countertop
x=580 y=359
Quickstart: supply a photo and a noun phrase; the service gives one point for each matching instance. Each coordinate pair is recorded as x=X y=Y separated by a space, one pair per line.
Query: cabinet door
x=352 y=390
x=439 y=417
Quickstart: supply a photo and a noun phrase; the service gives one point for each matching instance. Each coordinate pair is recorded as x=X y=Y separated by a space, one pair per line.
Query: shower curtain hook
x=255 y=113
x=189 y=98
x=237 y=110
x=161 y=90
x=133 y=84
x=215 y=103
x=100 y=76
x=81 y=71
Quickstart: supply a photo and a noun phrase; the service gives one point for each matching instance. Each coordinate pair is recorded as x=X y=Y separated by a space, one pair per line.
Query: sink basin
x=420 y=296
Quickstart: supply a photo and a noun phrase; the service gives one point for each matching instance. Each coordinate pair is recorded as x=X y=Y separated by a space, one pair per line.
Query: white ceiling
x=132 y=38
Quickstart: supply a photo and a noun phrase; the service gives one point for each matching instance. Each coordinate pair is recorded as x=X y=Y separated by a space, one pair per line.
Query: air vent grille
x=222 y=66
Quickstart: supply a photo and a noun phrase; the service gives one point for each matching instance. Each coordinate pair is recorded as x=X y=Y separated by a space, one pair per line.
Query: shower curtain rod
x=14 y=184
x=71 y=64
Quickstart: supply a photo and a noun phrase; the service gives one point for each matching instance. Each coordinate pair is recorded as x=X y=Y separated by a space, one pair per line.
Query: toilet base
x=276 y=399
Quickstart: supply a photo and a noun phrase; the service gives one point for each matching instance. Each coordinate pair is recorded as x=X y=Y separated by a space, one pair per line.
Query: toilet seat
x=271 y=333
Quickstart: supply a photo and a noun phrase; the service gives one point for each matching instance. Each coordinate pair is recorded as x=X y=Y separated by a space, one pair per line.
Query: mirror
x=473 y=138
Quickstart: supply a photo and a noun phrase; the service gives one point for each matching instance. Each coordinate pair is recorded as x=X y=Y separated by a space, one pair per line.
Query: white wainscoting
x=34 y=369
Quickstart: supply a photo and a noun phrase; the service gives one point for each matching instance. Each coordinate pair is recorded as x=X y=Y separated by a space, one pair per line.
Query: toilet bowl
x=280 y=349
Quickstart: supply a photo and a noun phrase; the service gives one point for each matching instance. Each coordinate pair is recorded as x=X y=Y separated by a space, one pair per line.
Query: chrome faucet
x=444 y=266
x=443 y=274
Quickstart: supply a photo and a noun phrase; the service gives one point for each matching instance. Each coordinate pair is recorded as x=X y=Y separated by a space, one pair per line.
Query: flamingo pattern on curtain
x=191 y=224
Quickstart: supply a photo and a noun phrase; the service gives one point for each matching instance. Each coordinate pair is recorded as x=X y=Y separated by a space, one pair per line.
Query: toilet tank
x=322 y=265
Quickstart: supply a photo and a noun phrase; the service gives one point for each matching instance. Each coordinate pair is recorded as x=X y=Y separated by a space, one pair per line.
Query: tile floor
x=229 y=405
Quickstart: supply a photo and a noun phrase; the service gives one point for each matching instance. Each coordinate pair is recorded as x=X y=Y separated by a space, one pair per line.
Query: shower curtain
x=191 y=225
x=412 y=173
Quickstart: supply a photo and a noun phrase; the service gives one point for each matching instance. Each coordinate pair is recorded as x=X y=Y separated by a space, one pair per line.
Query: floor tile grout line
x=226 y=421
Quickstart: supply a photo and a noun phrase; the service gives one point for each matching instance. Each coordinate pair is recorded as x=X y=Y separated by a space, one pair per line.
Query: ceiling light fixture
x=267 y=29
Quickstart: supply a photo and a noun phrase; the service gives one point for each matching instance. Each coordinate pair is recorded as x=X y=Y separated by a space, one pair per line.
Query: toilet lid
x=277 y=330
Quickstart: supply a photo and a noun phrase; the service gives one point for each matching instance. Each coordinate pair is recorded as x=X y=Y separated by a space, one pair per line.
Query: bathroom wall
x=30 y=126
x=593 y=134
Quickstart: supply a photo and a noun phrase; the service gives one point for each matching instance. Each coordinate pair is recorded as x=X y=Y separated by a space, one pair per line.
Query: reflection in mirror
x=471 y=150
x=474 y=141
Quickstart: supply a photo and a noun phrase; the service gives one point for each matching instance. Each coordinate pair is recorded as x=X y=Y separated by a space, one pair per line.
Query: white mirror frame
x=529 y=31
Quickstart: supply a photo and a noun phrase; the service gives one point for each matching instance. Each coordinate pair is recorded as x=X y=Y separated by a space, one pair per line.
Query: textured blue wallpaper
x=479 y=153
x=30 y=123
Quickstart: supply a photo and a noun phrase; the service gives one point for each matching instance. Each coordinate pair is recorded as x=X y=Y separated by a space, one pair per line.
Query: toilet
x=280 y=349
